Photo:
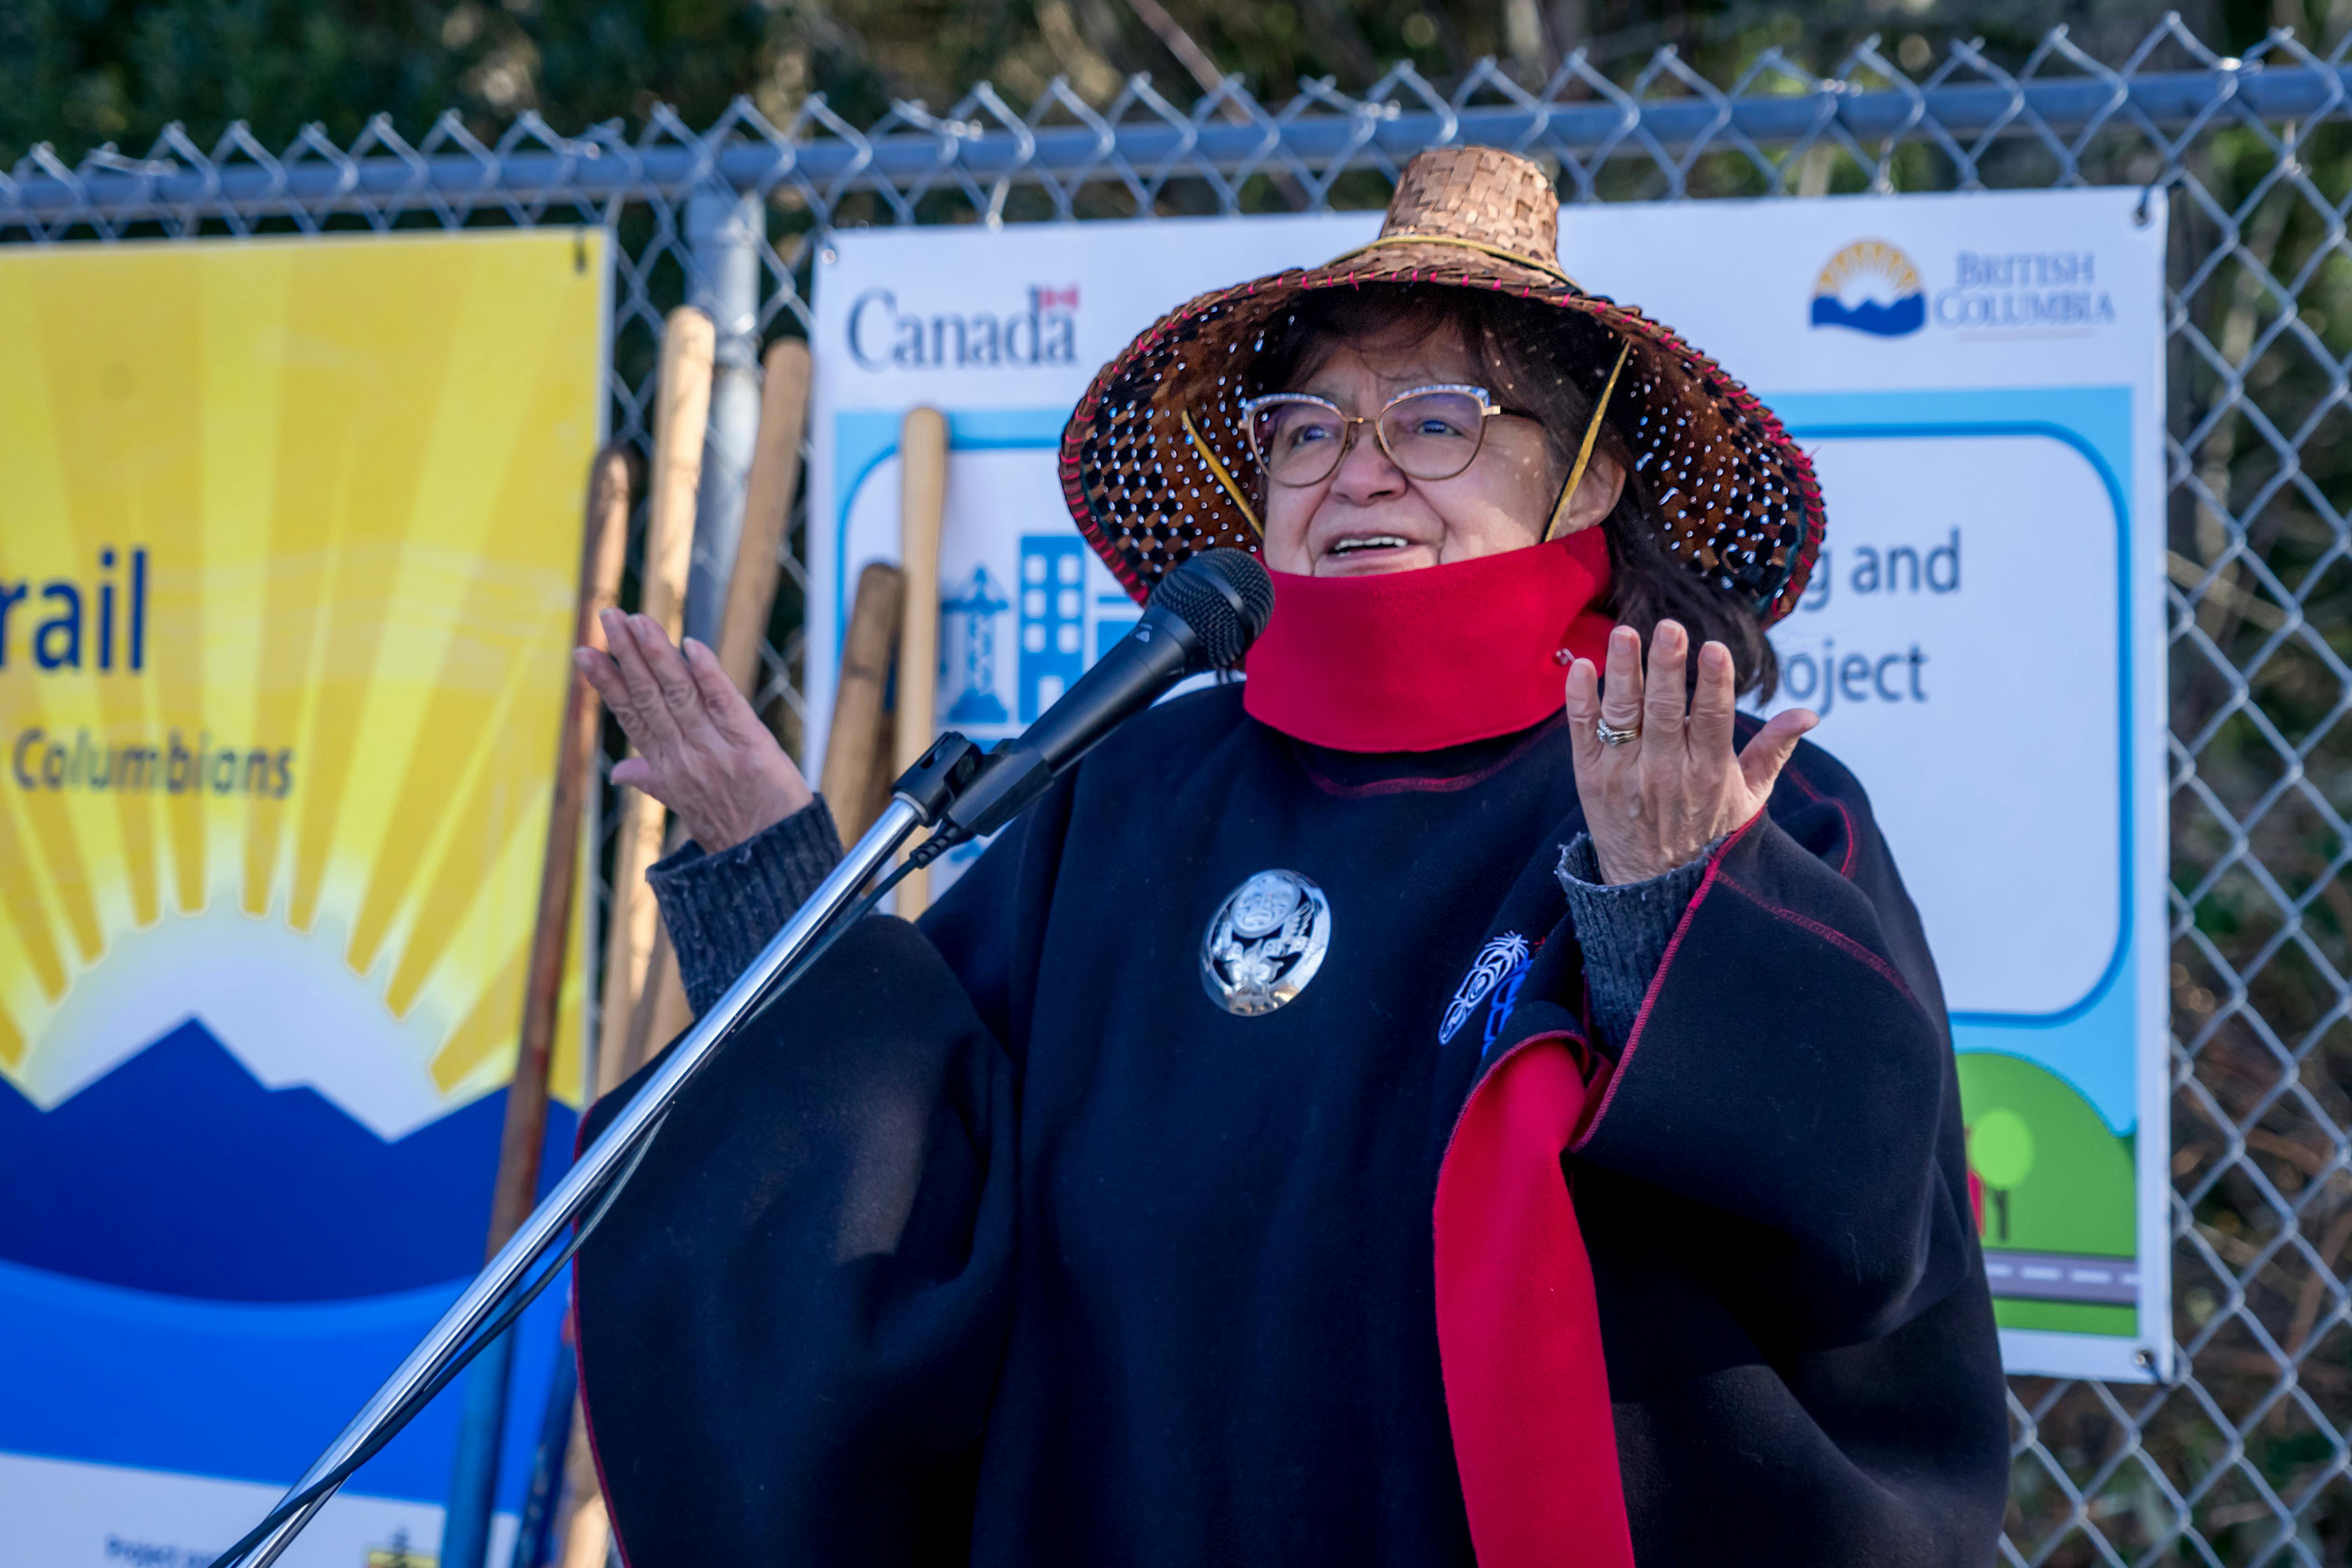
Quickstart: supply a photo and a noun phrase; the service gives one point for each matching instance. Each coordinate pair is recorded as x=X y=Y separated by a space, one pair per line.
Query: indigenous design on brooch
x=1496 y=958
x=1264 y=942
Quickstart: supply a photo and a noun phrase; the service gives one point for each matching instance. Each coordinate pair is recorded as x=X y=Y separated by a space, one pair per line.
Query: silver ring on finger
x=1611 y=735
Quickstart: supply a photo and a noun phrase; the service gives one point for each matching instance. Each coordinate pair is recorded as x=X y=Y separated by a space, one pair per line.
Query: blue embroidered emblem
x=1496 y=960
x=1506 y=996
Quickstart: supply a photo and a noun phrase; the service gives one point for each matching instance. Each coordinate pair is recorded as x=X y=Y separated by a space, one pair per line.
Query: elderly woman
x=1551 y=1153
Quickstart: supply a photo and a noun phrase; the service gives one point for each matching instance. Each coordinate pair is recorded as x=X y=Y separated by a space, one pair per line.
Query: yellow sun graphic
x=1866 y=262
x=289 y=540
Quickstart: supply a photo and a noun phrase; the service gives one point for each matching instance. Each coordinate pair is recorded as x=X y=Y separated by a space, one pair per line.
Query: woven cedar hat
x=1156 y=462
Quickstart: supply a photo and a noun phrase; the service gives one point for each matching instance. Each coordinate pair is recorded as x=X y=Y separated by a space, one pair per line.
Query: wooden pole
x=474 y=1473
x=923 y=493
x=681 y=422
x=602 y=547
x=767 y=512
x=879 y=778
x=661 y=1013
x=589 y=1540
x=682 y=418
x=860 y=739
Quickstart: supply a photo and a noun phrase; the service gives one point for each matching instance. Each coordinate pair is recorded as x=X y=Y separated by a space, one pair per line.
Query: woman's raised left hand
x=1654 y=802
x=698 y=748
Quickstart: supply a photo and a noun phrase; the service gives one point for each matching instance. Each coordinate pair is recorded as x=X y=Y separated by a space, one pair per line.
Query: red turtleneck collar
x=1412 y=661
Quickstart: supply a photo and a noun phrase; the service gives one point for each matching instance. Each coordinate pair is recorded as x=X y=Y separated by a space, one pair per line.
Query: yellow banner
x=289 y=535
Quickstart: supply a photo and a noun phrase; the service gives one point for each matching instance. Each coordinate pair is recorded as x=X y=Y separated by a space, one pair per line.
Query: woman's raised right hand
x=700 y=749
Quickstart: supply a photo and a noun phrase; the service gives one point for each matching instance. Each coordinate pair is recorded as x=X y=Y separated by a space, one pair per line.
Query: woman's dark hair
x=1528 y=353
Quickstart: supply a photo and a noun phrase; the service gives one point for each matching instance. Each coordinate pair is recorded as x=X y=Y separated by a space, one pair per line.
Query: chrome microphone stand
x=922 y=794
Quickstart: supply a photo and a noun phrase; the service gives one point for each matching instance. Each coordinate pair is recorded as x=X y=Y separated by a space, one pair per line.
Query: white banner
x=1979 y=381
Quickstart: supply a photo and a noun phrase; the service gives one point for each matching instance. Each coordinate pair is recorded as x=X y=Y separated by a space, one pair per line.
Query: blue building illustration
x=1052 y=618
x=970 y=655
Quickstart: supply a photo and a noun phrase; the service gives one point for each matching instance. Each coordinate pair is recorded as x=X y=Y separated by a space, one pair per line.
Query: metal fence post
x=724 y=232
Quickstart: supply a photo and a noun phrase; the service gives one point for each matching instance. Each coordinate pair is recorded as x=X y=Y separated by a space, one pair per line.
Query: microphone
x=1204 y=615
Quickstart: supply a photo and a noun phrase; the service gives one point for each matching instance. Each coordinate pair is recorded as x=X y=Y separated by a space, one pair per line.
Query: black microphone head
x=1225 y=596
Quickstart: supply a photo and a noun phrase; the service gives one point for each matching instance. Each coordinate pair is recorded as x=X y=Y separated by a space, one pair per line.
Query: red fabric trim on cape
x=1658 y=981
x=1414 y=661
x=1518 y=1329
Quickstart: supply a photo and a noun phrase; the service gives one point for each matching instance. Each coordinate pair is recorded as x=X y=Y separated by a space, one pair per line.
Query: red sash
x=1518 y=1331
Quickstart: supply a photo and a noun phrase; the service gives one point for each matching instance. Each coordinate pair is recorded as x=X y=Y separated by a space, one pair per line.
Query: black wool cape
x=1000 y=1243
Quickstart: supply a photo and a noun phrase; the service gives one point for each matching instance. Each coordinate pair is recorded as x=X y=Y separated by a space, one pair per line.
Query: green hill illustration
x=2056 y=1180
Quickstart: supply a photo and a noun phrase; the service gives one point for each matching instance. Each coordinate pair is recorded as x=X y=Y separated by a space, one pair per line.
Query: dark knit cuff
x=1623 y=928
x=722 y=909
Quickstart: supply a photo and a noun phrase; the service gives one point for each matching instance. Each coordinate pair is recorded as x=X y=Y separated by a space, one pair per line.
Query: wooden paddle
x=861 y=739
x=767 y=512
x=662 y=1013
x=682 y=418
x=604 y=543
x=681 y=423
x=922 y=505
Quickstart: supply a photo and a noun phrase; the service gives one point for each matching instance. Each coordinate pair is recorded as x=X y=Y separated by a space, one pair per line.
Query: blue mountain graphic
x=178 y=1172
x=1905 y=316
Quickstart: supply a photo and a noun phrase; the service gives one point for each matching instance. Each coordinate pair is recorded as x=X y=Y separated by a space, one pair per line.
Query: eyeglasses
x=1428 y=432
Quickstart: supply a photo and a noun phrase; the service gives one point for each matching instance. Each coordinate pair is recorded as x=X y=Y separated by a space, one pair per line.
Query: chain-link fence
x=2243 y=1460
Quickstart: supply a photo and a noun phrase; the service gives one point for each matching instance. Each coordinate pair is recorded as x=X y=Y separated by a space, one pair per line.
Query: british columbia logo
x=1871 y=286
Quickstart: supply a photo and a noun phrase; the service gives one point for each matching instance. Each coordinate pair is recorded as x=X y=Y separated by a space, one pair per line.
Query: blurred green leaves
x=82 y=73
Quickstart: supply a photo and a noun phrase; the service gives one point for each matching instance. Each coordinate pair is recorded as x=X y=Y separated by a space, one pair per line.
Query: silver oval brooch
x=1264 y=942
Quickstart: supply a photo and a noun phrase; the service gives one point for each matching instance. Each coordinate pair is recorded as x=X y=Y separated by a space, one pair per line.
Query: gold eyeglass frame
x=1488 y=409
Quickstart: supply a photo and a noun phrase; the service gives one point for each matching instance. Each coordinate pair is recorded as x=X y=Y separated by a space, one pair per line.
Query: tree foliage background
x=80 y=74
